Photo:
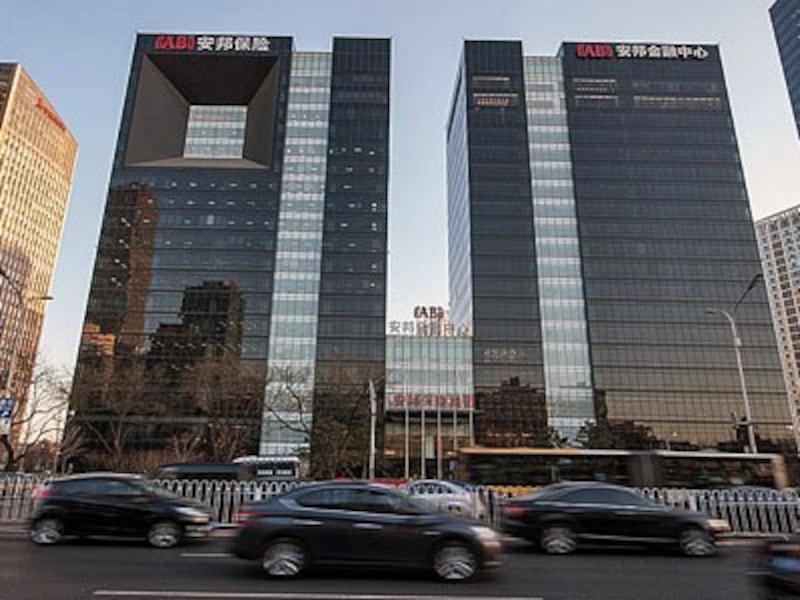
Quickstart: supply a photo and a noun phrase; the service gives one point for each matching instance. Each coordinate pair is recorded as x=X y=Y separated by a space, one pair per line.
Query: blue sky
x=79 y=52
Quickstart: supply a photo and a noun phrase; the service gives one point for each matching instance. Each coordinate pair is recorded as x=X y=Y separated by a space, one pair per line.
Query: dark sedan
x=116 y=505
x=559 y=517
x=347 y=523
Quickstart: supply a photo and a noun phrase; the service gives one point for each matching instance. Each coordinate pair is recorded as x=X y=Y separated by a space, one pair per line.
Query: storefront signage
x=213 y=43
x=655 y=51
x=430 y=401
x=42 y=105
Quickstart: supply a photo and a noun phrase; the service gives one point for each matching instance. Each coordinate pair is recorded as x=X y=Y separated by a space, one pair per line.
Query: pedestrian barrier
x=750 y=512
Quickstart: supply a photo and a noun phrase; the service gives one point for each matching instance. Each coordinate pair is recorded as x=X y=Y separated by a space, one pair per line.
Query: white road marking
x=292 y=596
x=206 y=554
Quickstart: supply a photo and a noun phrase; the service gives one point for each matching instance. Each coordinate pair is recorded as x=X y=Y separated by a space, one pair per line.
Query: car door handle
x=307 y=522
x=368 y=526
x=625 y=513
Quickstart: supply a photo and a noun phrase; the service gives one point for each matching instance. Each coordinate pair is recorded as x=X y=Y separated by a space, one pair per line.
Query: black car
x=104 y=504
x=351 y=523
x=559 y=517
x=778 y=568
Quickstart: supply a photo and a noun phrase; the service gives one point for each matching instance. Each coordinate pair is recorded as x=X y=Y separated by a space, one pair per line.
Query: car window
x=79 y=487
x=115 y=487
x=330 y=498
x=603 y=496
x=379 y=501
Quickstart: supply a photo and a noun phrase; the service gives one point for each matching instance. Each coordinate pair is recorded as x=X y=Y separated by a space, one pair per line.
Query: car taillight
x=43 y=493
x=243 y=516
x=512 y=511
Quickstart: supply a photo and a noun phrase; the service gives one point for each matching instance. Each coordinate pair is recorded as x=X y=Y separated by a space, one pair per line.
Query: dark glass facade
x=646 y=169
x=182 y=290
x=493 y=281
x=785 y=15
x=352 y=298
x=666 y=233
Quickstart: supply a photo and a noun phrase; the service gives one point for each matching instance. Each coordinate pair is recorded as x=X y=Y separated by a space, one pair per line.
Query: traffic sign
x=6 y=414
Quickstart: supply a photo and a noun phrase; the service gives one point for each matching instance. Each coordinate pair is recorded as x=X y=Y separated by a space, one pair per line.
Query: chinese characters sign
x=430 y=402
x=213 y=43
x=653 y=51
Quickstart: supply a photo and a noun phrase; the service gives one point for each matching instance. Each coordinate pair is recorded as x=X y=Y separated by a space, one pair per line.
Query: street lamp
x=737 y=345
x=21 y=301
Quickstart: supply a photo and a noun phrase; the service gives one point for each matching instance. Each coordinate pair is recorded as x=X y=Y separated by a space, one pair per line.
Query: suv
x=108 y=504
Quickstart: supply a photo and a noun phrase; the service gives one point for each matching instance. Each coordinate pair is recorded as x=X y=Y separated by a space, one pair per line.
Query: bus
x=654 y=468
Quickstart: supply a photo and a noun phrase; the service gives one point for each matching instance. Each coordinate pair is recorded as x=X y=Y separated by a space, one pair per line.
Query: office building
x=37 y=160
x=597 y=213
x=429 y=396
x=779 y=245
x=785 y=15
x=243 y=247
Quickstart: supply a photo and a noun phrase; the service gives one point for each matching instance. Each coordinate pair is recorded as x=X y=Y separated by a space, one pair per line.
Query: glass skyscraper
x=243 y=250
x=597 y=212
x=785 y=15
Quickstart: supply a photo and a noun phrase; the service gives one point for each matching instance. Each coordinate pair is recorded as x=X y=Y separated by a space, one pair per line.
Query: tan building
x=779 y=246
x=37 y=159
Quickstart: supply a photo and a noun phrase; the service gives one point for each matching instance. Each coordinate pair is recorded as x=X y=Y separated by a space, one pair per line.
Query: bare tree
x=227 y=397
x=71 y=445
x=340 y=436
x=37 y=423
x=111 y=402
x=289 y=399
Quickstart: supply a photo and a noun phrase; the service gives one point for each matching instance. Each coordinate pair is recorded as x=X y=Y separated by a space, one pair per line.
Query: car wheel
x=164 y=534
x=455 y=561
x=696 y=542
x=284 y=558
x=558 y=539
x=47 y=531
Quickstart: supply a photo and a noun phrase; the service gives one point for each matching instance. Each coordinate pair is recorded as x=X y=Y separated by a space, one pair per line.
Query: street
x=105 y=569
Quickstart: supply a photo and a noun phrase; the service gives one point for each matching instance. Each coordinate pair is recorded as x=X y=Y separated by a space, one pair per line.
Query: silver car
x=448 y=496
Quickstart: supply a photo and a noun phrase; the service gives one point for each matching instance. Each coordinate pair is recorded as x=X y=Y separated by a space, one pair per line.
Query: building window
x=215 y=132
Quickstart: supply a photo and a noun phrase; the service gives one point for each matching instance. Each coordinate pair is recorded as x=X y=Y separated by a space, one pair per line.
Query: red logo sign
x=42 y=105
x=176 y=42
x=594 y=51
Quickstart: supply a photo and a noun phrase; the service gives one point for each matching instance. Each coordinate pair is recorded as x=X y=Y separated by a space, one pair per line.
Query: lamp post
x=373 y=415
x=737 y=345
x=8 y=381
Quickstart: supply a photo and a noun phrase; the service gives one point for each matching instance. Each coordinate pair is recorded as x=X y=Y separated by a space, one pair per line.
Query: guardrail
x=750 y=512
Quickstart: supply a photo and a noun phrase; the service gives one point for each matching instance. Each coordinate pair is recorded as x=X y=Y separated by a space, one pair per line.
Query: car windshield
x=155 y=489
x=406 y=504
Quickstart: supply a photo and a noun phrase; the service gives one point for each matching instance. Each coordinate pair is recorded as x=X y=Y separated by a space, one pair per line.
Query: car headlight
x=485 y=534
x=718 y=525
x=188 y=511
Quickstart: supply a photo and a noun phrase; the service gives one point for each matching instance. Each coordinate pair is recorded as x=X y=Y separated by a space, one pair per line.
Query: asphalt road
x=100 y=570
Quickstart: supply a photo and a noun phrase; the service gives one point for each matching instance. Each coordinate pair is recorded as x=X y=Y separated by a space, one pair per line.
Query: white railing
x=226 y=497
x=750 y=512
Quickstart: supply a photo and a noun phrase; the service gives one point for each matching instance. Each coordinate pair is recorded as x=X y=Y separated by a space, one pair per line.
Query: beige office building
x=779 y=247
x=37 y=159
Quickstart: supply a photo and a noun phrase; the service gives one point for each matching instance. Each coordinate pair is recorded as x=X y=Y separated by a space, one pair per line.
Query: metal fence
x=750 y=512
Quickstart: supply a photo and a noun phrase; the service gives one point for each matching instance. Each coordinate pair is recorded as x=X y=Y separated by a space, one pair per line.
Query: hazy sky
x=79 y=54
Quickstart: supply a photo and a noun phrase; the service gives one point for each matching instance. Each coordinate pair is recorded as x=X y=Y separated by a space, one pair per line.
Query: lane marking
x=293 y=596
x=206 y=554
